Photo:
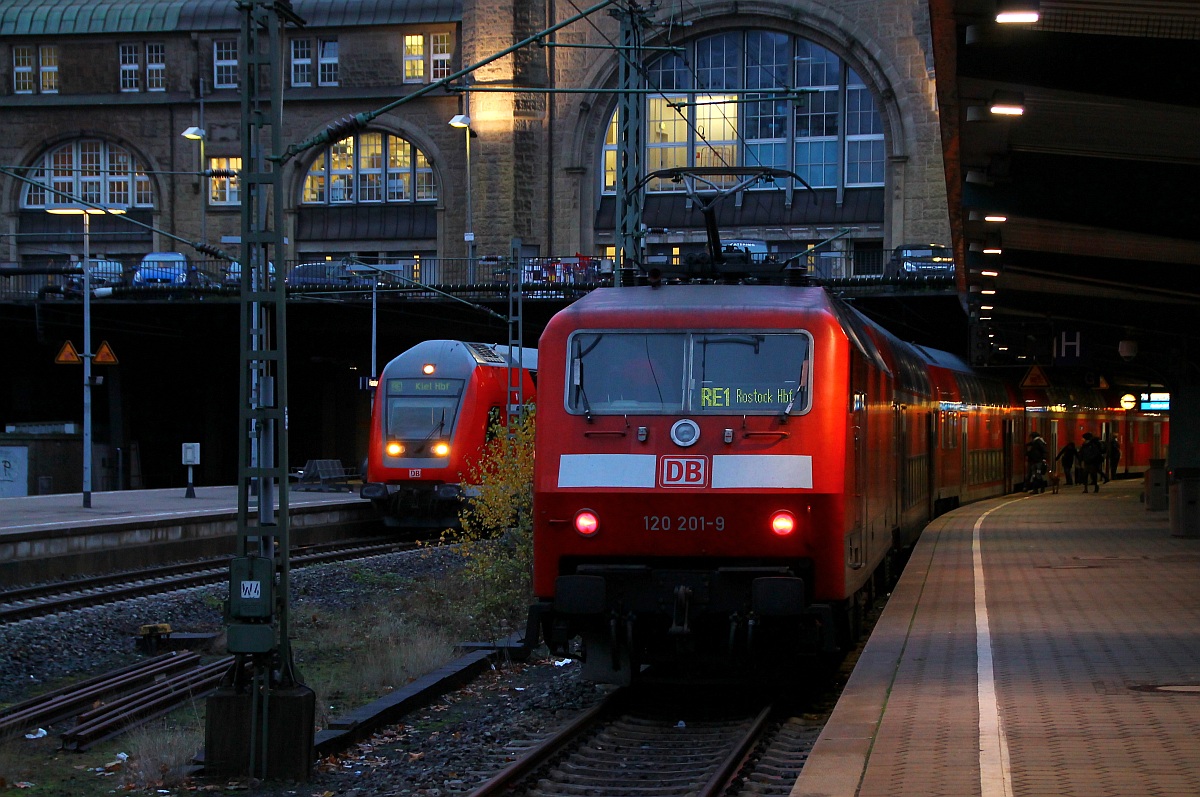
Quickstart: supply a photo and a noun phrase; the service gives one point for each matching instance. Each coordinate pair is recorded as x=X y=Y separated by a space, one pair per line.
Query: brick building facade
x=94 y=96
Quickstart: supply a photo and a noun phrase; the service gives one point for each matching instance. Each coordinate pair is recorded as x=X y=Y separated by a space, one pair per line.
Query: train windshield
x=419 y=409
x=694 y=372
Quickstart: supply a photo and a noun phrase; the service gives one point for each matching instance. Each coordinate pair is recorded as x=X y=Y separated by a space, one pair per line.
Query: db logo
x=414 y=473
x=683 y=472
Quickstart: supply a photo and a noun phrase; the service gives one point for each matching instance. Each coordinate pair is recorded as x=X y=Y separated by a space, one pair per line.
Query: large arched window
x=370 y=167
x=89 y=170
x=758 y=98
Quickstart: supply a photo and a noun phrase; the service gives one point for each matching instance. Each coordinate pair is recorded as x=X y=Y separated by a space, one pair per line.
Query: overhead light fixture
x=1017 y=12
x=995 y=217
x=460 y=120
x=194 y=133
x=980 y=215
x=989 y=272
x=1008 y=103
x=989 y=247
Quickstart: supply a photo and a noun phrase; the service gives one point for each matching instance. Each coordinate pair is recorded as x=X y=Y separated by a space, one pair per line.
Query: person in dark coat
x=1067 y=456
x=1092 y=455
x=1035 y=458
x=1112 y=453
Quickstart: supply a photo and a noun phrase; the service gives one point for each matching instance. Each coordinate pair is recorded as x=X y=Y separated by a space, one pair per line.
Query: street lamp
x=198 y=134
x=87 y=214
x=464 y=121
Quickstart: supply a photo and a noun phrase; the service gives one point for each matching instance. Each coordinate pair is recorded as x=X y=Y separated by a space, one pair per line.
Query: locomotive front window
x=704 y=373
x=749 y=372
x=627 y=372
x=421 y=409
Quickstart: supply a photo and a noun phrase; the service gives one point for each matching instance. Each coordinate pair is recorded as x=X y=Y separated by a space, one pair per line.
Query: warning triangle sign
x=1035 y=377
x=105 y=355
x=67 y=355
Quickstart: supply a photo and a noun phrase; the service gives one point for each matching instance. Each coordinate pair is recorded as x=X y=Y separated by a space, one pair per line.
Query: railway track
x=644 y=747
x=35 y=601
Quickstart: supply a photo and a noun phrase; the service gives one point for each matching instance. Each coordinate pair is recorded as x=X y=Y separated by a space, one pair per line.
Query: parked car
x=233 y=273
x=920 y=260
x=326 y=274
x=161 y=268
x=106 y=273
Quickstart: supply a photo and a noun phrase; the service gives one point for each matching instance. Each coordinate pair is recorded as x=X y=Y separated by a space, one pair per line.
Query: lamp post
x=87 y=339
x=199 y=134
x=464 y=121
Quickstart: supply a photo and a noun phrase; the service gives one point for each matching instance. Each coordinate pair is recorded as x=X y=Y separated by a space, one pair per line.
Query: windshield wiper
x=437 y=428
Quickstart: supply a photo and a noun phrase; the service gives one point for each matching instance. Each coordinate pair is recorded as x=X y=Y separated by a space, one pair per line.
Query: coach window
x=422 y=409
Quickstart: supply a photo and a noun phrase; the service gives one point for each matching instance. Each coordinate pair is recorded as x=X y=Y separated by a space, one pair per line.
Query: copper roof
x=76 y=17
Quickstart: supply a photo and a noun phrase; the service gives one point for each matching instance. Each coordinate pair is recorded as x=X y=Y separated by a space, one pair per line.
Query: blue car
x=161 y=268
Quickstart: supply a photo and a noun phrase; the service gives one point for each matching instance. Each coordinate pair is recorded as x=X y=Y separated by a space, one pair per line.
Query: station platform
x=1035 y=645
x=51 y=537
x=66 y=510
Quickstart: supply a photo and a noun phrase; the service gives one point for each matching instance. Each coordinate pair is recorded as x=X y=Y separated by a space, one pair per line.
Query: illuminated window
x=761 y=98
x=48 y=55
x=370 y=167
x=35 y=68
x=224 y=190
x=414 y=59
x=22 y=69
x=90 y=170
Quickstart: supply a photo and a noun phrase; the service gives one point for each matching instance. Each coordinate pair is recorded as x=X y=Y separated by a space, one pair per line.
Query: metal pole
x=470 y=223
x=87 y=360
x=204 y=187
x=374 y=326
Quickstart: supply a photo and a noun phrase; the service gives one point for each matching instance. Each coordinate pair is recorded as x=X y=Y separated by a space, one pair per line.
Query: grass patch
x=393 y=630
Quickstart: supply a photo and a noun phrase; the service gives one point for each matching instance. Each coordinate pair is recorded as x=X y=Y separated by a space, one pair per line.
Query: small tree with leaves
x=497 y=522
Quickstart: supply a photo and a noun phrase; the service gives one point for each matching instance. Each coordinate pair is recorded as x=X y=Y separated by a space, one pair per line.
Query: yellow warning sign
x=67 y=355
x=1035 y=377
x=105 y=355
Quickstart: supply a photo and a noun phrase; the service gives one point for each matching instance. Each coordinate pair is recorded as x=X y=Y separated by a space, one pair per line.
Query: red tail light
x=783 y=523
x=586 y=522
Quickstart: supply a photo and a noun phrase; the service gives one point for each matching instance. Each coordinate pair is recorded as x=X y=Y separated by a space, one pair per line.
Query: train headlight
x=428 y=368
x=394 y=448
x=587 y=522
x=441 y=449
x=783 y=523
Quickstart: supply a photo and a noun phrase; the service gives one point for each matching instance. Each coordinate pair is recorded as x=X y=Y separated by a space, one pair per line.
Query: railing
x=541 y=277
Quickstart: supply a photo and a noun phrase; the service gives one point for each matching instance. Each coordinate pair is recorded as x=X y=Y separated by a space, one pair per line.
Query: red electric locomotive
x=722 y=471
x=433 y=409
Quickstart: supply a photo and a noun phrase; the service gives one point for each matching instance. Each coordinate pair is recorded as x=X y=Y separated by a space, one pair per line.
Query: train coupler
x=679 y=619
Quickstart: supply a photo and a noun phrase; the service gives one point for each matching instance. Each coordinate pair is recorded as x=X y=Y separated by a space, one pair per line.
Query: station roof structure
x=1097 y=178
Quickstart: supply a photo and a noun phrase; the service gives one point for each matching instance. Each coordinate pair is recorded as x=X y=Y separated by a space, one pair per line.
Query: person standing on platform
x=1113 y=453
x=1092 y=456
x=1035 y=458
x=1067 y=456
